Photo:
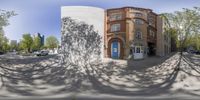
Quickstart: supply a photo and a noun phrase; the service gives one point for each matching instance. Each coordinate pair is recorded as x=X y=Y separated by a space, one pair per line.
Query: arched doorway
x=115 y=48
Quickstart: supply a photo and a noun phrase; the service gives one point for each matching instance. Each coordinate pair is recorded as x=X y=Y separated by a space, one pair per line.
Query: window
x=138 y=35
x=115 y=27
x=115 y=17
x=151 y=20
x=138 y=21
x=151 y=17
x=138 y=14
x=152 y=33
x=138 y=50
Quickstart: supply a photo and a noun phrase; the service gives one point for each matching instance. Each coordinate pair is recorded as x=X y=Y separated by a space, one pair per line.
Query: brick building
x=132 y=32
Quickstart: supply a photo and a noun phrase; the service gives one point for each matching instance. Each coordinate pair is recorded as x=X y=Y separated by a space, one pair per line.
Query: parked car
x=197 y=52
x=1 y=53
x=42 y=53
x=36 y=52
x=192 y=51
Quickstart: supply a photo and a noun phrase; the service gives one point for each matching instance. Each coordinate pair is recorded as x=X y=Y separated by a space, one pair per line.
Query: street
x=154 y=78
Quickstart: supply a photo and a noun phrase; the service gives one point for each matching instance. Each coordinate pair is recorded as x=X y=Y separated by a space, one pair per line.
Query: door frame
x=140 y=54
x=118 y=49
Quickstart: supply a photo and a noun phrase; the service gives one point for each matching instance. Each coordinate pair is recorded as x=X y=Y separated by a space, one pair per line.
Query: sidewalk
x=104 y=97
x=139 y=65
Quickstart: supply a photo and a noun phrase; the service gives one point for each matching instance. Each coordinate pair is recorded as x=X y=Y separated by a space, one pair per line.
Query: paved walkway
x=141 y=64
x=151 y=77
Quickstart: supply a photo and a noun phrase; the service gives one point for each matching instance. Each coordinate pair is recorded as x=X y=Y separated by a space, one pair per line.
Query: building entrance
x=151 y=49
x=115 y=50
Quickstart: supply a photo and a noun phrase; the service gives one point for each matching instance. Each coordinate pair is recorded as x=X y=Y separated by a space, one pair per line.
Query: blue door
x=115 y=50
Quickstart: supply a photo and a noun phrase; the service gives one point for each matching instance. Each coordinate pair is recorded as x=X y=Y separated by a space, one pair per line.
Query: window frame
x=138 y=34
x=115 y=16
x=115 y=27
x=138 y=49
x=152 y=34
x=138 y=14
x=138 y=21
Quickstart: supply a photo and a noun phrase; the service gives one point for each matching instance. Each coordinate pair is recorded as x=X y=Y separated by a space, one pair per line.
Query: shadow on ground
x=48 y=77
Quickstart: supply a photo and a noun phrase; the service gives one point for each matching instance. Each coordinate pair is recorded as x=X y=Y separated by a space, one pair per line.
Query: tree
x=4 y=16
x=194 y=41
x=2 y=38
x=52 y=42
x=20 y=46
x=186 y=24
x=5 y=45
x=27 y=42
x=37 y=43
x=13 y=45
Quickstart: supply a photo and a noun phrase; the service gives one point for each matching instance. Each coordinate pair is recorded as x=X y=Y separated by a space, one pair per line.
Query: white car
x=42 y=53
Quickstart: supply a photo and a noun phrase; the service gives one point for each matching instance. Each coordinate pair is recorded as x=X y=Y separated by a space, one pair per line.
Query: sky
x=44 y=16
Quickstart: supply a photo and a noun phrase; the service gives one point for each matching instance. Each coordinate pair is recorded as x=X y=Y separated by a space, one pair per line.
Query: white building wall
x=90 y=15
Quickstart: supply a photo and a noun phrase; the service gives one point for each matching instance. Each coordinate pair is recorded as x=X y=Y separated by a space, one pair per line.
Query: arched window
x=138 y=35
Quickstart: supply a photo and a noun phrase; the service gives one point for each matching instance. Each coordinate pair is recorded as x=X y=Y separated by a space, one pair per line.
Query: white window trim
x=152 y=34
x=136 y=34
x=141 y=48
x=115 y=16
x=138 y=21
x=138 y=14
x=115 y=27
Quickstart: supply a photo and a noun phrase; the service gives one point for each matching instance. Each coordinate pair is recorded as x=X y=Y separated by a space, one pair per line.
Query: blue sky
x=43 y=16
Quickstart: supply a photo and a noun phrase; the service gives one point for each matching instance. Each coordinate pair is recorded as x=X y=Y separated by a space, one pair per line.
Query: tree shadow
x=25 y=60
x=20 y=78
x=106 y=78
x=145 y=63
x=191 y=66
x=144 y=84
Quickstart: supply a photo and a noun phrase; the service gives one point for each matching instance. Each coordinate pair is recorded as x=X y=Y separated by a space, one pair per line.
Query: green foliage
x=52 y=42
x=185 y=25
x=4 y=16
x=5 y=46
x=37 y=43
x=1 y=40
x=13 y=46
x=194 y=41
x=43 y=47
x=27 y=42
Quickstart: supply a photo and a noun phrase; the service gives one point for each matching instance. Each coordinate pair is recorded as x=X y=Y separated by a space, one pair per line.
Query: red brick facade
x=123 y=25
